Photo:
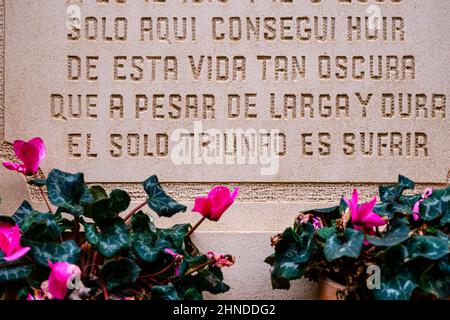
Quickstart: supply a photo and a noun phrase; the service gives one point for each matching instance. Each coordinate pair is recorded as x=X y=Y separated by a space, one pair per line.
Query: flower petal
x=202 y=206
x=19 y=167
x=19 y=253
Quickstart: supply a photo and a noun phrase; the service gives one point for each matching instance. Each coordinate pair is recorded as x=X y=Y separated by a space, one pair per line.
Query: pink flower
x=10 y=242
x=363 y=218
x=216 y=203
x=35 y=297
x=416 y=208
x=221 y=260
x=31 y=153
x=60 y=276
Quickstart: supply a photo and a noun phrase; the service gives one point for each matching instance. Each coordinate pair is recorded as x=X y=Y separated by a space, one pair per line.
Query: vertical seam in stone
x=2 y=71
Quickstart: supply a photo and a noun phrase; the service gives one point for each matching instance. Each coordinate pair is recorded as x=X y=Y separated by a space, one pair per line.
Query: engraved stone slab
x=238 y=90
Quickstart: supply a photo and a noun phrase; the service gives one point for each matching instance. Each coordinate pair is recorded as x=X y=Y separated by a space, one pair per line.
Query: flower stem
x=105 y=290
x=133 y=212
x=45 y=199
x=77 y=229
x=200 y=267
x=195 y=227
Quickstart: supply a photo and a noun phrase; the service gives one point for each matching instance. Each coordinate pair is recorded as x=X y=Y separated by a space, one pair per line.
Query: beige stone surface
x=37 y=52
x=13 y=191
x=249 y=278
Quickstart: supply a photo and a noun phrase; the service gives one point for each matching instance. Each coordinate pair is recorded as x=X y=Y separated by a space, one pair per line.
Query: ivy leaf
x=348 y=245
x=10 y=274
x=428 y=247
x=175 y=235
x=40 y=227
x=445 y=219
x=167 y=292
x=211 y=280
x=437 y=205
x=399 y=287
x=24 y=210
x=397 y=233
x=98 y=193
x=393 y=192
x=326 y=232
x=114 y=239
x=67 y=251
x=120 y=272
x=159 y=201
x=68 y=191
x=192 y=294
x=331 y=213
x=292 y=251
x=142 y=244
x=141 y=222
x=91 y=233
x=436 y=282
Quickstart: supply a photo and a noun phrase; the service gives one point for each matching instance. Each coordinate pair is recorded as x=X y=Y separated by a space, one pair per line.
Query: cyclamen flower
x=31 y=154
x=60 y=276
x=363 y=217
x=416 y=208
x=35 y=297
x=216 y=203
x=221 y=260
x=10 y=242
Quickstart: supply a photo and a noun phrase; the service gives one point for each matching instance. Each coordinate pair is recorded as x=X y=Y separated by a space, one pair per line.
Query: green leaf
x=444 y=265
x=326 y=232
x=292 y=251
x=10 y=274
x=348 y=245
x=107 y=209
x=68 y=191
x=67 y=251
x=41 y=227
x=25 y=210
x=91 y=233
x=120 y=272
x=167 y=292
x=397 y=233
x=393 y=192
x=142 y=244
x=141 y=222
x=435 y=282
x=159 y=201
x=428 y=247
x=114 y=239
x=174 y=236
x=399 y=287
x=331 y=213
x=280 y=283
x=445 y=219
x=98 y=193
x=437 y=205
x=192 y=294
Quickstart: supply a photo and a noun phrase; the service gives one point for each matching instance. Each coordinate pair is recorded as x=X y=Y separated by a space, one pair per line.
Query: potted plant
x=396 y=249
x=45 y=255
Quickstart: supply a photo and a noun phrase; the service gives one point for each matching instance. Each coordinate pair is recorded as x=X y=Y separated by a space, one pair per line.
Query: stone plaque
x=239 y=90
